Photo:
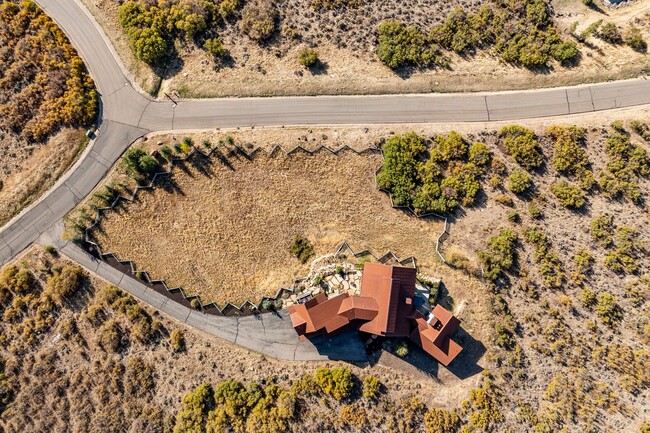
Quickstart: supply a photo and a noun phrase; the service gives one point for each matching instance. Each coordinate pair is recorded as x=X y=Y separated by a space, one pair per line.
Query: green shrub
x=441 y=421
x=569 y=156
x=177 y=340
x=402 y=349
x=584 y=261
x=588 y=298
x=214 y=47
x=570 y=196
x=500 y=256
x=480 y=155
x=602 y=229
x=641 y=128
x=521 y=144
x=534 y=211
x=258 y=20
x=610 y=33
x=519 y=182
x=302 y=249
x=166 y=152
x=308 y=57
x=624 y=257
x=196 y=406
x=21 y=281
x=589 y=30
x=337 y=382
x=195 y=303
x=371 y=387
x=400 y=172
x=633 y=37
x=148 y=164
x=401 y=46
x=65 y=283
x=607 y=309
x=227 y=8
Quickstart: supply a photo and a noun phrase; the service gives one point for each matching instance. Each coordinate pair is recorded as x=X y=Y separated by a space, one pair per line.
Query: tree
x=308 y=57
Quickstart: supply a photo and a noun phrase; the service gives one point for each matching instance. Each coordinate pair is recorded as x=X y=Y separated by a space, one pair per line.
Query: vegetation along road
x=126 y=114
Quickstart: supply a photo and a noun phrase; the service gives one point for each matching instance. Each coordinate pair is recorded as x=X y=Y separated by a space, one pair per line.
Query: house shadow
x=353 y=347
x=342 y=346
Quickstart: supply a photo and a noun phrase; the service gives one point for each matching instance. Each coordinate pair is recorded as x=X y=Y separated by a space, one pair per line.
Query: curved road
x=127 y=114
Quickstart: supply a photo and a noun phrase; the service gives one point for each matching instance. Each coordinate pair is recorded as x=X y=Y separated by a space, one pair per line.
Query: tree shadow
x=201 y=162
x=320 y=68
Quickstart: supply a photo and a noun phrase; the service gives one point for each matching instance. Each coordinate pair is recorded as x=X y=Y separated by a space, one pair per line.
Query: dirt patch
x=347 y=41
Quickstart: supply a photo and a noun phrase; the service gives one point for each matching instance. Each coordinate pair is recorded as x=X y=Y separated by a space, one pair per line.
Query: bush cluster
x=302 y=249
x=633 y=37
x=548 y=263
x=624 y=257
x=447 y=178
x=501 y=254
x=569 y=195
x=519 y=182
x=569 y=155
x=139 y=162
x=154 y=26
x=641 y=128
x=43 y=82
x=336 y=382
x=521 y=144
x=259 y=19
x=521 y=34
x=626 y=162
x=308 y=57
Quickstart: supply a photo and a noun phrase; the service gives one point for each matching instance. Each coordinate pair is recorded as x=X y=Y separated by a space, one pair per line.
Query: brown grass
x=27 y=170
x=225 y=236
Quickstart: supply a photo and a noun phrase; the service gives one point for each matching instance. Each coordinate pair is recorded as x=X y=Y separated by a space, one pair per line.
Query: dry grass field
x=225 y=235
x=346 y=42
x=549 y=347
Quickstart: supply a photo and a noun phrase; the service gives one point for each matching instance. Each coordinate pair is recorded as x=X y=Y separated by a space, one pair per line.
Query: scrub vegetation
x=46 y=95
x=365 y=46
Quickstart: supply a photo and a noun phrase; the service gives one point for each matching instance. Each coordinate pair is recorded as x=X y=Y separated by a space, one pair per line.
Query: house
x=386 y=307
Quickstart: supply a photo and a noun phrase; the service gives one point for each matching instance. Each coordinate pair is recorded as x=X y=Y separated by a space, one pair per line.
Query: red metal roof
x=385 y=307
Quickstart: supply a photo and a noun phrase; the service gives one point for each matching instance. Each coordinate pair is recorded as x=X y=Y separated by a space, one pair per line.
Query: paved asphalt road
x=127 y=114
